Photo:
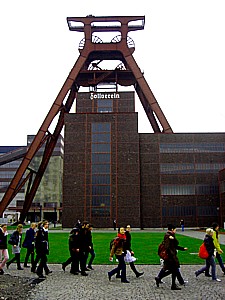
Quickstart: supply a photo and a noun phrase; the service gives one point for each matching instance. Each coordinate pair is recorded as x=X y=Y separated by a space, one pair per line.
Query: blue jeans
x=121 y=266
x=210 y=261
x=92 y=252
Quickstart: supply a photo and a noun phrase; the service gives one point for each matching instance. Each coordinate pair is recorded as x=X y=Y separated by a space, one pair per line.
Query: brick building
x=147 y=180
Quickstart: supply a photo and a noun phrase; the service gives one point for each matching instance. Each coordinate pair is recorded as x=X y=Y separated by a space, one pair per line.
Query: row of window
x=104 y=148
x=101 y=138
x=188 y=168
x=101 y=200
x=101 y=178
x=100 y=190
x=189 y=189
x=104 y=106
x=191 y=211
x=100 y=127
x=11 y=165
x=100 y=157
x=100 y=211
x=191 y=148
x=101 y=168
x=7 y=174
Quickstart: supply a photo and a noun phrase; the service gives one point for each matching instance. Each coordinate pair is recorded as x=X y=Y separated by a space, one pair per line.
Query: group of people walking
x=171 y=264
x=81 y=246
x=35 y=240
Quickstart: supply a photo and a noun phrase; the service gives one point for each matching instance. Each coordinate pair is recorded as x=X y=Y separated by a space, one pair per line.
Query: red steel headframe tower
x=87 y=73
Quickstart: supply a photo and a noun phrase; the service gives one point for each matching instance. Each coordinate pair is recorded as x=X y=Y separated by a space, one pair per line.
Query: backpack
x=162 y=252
x=114 y=241
x=203 y=253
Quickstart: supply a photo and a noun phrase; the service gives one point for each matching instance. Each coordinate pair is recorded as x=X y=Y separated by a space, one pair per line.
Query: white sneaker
x=217 y=279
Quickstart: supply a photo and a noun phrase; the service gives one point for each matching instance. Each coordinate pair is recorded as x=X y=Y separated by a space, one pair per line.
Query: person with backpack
x=171 y=263
x=119 y=250
x=210 y=260
x=15 y=241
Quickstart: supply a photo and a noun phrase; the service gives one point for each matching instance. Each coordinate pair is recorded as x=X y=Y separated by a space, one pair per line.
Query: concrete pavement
x=96 y=286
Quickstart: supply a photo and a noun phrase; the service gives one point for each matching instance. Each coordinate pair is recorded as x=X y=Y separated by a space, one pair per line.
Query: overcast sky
x=181 y=52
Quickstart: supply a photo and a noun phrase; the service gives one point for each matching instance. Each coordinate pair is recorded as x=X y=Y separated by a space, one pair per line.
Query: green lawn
x=144 y=244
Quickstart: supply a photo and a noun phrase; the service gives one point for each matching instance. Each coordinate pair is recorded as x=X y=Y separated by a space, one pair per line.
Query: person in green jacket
x=219 y=251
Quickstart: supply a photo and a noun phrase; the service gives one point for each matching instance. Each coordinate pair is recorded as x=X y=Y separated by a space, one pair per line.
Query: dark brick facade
x=124 y=165
x=153 y=179
x=179 y=178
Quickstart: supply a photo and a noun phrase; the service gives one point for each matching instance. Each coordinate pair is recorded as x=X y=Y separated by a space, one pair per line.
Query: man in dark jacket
x=85 y=246
x=74 y=248
x=42 y=249
x=28 y=243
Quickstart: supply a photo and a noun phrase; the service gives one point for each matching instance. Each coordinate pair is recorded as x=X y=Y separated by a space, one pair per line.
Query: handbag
x=203 y=253
x=129 y=258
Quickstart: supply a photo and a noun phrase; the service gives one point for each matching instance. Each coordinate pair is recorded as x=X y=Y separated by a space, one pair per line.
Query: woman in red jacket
x=119 y=250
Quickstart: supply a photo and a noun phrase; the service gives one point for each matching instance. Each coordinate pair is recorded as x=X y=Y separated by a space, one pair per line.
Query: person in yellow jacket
x=219 y=251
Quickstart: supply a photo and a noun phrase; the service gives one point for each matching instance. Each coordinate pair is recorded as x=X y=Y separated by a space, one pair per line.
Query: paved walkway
x=200 y=235
x=96 y=286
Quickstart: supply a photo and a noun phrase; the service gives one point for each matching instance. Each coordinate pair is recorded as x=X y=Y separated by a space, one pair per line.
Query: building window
x=192 y=148
x=198 y=189
x=169 y=189
x=101 y=169
x=104 y=106
x=178 y=211
x=190 y=168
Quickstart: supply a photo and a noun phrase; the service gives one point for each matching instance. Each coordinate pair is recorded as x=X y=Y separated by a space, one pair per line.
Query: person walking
x=129 y=258
x=219 y=251
x=85 y=246
x=28 y=243
x=119 y=250
x=3 y=247
x=74 y=248
x=15 y=241
x=182 y=224
x=91 y=251
x=42 y=250
x=171 y=265
x=114 y=224
x=210 y=261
